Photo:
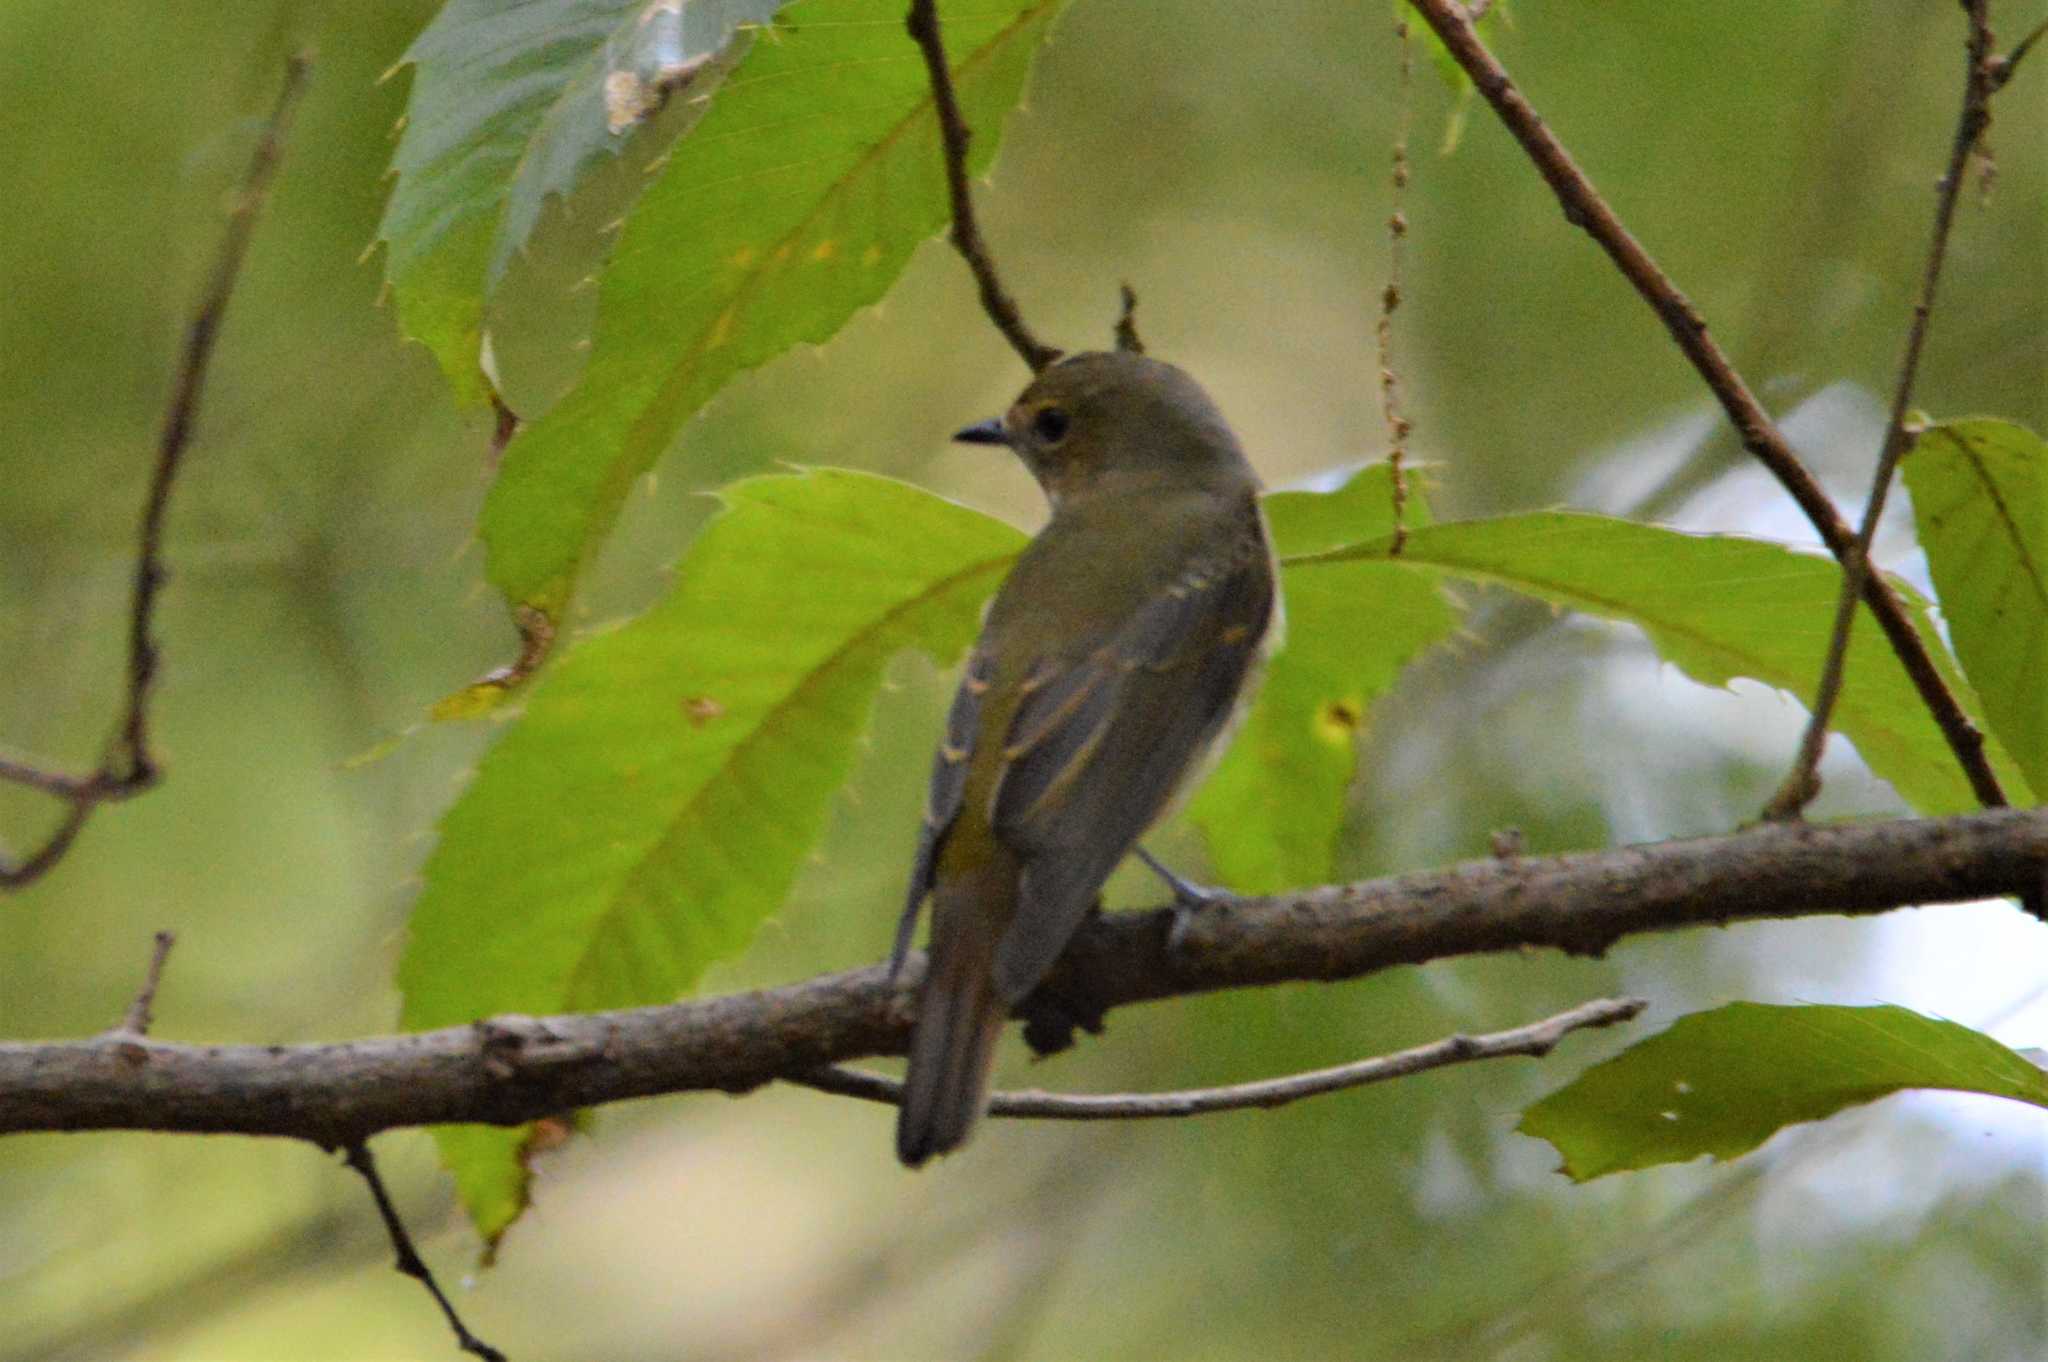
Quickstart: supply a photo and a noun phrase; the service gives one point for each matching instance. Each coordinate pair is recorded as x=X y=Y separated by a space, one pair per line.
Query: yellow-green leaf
x=795 y=201
x=1980 y=499
x=652 y=806
x=1720 y=607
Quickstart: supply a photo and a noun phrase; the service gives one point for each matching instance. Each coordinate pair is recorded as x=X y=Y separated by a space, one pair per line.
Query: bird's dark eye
x=1050 y=425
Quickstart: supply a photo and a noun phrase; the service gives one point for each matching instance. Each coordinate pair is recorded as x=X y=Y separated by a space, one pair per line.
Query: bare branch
x=1585 y=209
x=1802 y=782
x=923 y=24
x=127 y=768
x=357 y=1156
x=1536 y=1039
x=514 y=1069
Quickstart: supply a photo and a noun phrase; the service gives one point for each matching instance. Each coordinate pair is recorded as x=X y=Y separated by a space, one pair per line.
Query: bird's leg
x=1188 y=897
x=1186 y=893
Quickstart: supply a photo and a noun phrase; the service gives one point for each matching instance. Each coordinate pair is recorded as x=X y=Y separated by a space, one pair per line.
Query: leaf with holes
x=1271 y=814
x=652 y=806
x=1980 y=500
x=515 y=101
x=1719 y=607
x=795 y=201
x=1721 y=1083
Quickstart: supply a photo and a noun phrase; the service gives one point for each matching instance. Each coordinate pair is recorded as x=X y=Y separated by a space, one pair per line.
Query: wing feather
x=942 y=801
x=1096 y=750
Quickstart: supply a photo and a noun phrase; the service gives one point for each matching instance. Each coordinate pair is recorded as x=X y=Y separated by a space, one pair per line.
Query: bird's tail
x=959 y=1016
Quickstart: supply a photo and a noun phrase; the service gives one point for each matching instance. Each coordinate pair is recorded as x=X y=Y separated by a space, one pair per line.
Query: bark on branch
x=513 y=1069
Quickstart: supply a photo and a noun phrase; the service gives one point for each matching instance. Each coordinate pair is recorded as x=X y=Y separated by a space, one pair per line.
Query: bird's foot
x=1051 y=1016
x=1189 y=898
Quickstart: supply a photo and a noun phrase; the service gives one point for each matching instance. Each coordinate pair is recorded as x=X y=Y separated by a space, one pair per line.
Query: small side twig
x=136 y=1021
x=1536 y=1039
x=357 y=1156
x=2003 y=69
x=1127 y=323
x=1802 y=782
x=505 y=424
x=1398 y=426
x=923 y=25
x=1586 y=209
x=127 y=768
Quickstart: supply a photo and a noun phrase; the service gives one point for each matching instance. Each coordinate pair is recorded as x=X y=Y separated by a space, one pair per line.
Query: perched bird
x=1112 y=658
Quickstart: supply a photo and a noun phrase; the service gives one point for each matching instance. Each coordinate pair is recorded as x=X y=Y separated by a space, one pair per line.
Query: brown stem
x=1126 y=329
x=357 y=1156
x=1802 y=782
x=127 y=768
x=136 y=1021
x=1585 y=209
x=510 y=1070
x=923 y=24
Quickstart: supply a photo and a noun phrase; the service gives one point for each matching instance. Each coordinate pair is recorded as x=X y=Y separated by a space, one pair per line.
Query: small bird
x=1111 y=659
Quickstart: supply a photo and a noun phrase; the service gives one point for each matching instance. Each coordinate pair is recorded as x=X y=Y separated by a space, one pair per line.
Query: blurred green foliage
x=1228 y=161
x=1272 y=814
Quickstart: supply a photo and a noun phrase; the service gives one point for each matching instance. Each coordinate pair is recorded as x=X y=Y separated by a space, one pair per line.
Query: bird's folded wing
x=948 y=786
x=1104 y=734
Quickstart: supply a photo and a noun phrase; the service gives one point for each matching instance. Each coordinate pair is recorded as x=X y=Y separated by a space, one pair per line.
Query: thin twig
x=1398 y=427
x=1802 y=782
x=137 y=1020
x=1535 y=1039
x=127 y=768
x=2003 y=69
x=1127 y=323
x=357 y=1156
x=1585 y=209
x=923 y=24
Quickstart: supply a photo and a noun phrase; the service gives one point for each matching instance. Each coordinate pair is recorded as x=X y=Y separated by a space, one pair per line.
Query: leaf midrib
x=737 y=753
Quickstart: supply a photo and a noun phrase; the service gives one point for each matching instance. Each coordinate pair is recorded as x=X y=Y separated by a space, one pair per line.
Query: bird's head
x=1117 y=423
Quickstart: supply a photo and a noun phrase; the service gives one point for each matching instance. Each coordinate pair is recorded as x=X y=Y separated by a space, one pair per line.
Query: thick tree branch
x=1585 y=209
x=515 y=1069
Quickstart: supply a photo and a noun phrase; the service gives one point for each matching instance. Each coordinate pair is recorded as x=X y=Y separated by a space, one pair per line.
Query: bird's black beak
x=989 y=432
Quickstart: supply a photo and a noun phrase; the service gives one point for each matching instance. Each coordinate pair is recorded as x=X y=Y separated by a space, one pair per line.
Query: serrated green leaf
x=1271 y=813
x=1722 y=1082
x=510 y=104
x=1980 y=499
x=1720 y=607
x=796 y=201
x=654 y=803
